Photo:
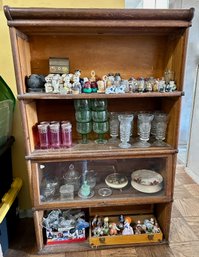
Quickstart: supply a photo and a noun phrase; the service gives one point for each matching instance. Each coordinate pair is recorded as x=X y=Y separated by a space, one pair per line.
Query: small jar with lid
x=72 y=177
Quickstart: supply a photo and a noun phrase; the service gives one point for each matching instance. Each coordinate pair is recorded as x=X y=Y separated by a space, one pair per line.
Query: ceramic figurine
x=97 y=231
x=148 y=86
x=101 y=86
x=128 y=230
x=92 y=79
x=172 y=86
x=94 y=221
x=48 y=84
x=56 y=83
x=155 y=86
x=87 y=87
x=121 y=222
x=93 y=82
x=113 y=229
x=156 y=228
x=161 y=86
x=141 y=85
x=120 y=89
x=149 y=225
x=117 y=77
x=106 y=226
x=109 y=79
x=132 y=85
x=110 y=90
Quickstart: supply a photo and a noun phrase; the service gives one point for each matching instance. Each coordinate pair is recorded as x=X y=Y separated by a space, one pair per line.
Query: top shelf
x=28 y=96
x=61 y=20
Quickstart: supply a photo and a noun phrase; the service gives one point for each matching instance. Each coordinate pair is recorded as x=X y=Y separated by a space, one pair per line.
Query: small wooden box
x=126 y=239
x=58 y=65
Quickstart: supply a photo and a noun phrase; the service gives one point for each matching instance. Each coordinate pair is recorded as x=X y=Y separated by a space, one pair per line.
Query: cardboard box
x=65 y=236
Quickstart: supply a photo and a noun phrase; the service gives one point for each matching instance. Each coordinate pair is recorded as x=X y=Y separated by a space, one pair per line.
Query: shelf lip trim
x=104 y=202
x=47 y=96
x=14 y=13
x=100 y=154
x=101 y=24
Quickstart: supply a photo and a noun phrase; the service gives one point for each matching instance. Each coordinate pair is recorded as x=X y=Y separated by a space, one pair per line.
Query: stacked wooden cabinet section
x=139 y=43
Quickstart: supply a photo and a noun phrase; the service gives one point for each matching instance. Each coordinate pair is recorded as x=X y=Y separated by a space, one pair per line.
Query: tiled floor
x=184 y=233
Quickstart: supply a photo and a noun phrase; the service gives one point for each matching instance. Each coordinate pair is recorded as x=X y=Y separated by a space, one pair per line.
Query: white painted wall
x=190 y=69
x=189 y=128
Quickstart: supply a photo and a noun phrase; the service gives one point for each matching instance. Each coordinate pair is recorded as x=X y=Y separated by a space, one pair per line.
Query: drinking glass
x=83 y=116
x=99 y=104
x=113 y=127
x=99 y=116
x=100 y=128
x=66 y=134
x=161 y=121
x=144 y=128
x=43 y=135
x=82 y=104
x=84 y=128
x=55 y=135
x=125 y=129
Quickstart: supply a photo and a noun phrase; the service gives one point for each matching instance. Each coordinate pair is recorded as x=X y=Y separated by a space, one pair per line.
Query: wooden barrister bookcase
x=133 y=42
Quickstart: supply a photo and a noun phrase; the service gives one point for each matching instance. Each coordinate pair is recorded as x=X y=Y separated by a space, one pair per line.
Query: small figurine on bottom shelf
x=121 y=222
x=128 y=230
x=106 y=226
x=149 y=225
x=113 y=229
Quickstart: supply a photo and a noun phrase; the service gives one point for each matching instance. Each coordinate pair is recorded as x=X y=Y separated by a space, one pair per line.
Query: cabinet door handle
x=150 y=237
x=102 y=240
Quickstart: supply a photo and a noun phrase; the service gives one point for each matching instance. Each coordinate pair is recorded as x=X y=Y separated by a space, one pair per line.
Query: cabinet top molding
x=20 y=17
x=101 y=14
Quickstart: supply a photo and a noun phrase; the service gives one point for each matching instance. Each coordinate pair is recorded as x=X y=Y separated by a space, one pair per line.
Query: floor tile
x=154 y=251
x=188 y=206
x=181 y=192
x=193 y=189
x=180 y=231
x=189 y=249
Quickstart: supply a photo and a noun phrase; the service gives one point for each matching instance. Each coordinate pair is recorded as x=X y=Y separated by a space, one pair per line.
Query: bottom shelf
x=85 y=246
x=102 y=227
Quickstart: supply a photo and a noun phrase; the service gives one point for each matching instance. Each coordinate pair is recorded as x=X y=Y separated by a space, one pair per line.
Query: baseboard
x=192 y=175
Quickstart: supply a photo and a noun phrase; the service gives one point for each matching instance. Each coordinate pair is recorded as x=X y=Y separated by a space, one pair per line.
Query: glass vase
x=144 y=128
x=125 y=129
x=113 y=127
x=161 y=121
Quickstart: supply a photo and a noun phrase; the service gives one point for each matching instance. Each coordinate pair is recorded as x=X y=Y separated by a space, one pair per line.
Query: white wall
x=190 y=70
x=189 y=129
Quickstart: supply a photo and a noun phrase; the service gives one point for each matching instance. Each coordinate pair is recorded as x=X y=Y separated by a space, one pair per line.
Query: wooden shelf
x=84 y=246
x=97 y=151
x=126 y=197
x=28 y=96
